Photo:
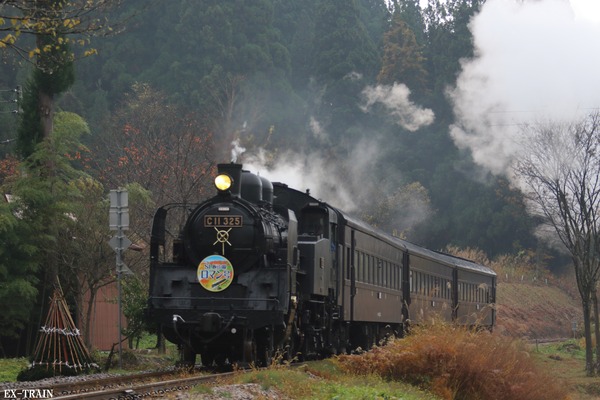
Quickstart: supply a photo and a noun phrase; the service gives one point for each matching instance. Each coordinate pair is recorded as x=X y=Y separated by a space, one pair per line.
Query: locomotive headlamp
x=223 y=182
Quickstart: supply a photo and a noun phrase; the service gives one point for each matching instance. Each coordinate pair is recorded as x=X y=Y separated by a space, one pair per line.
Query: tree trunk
x=88 y=317
x=596 y=329
x=589 y=354
x=46 y=108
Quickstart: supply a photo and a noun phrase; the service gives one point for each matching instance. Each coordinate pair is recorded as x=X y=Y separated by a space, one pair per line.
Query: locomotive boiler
x=262 y=269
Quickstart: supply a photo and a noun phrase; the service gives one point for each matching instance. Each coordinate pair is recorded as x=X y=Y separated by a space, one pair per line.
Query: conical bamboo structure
x=59 y=345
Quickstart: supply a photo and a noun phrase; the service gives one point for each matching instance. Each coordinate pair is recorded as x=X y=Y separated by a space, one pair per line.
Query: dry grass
x=459 y=364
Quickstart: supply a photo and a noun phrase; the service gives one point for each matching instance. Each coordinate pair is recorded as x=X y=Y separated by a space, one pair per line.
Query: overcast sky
x=536 y=61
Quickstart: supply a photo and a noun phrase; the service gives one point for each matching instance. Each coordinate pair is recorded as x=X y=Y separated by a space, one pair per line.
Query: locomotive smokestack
x=235 y=172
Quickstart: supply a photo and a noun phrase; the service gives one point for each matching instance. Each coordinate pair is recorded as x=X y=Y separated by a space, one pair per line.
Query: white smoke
x=344 y=184
x=316 y=129
x=236 y=149
x=534 y=61
x=396 y=101
x=354 y=76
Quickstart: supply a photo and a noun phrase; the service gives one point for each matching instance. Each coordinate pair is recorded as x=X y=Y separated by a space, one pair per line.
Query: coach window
x=430 y=286
x=357 y=265
x=365 y=268
x=373 y=263
x=410 y=282
x=386 y=272
x=417 y=283
x=468 y=291
x=375 y=270
x=348 y=262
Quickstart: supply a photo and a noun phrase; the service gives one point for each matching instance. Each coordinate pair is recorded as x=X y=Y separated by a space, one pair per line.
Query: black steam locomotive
x=262 y=269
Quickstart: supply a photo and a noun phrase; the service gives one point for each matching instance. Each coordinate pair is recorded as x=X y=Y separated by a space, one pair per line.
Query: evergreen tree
x=403 y=59
x=448 y=41
x=342 y=44
x=18 y=271
x=345 y=60
x=44 y=204
x=54 y=73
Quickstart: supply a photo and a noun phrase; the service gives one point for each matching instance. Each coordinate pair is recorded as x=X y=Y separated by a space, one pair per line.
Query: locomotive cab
x=317 y=249
x=314 y=222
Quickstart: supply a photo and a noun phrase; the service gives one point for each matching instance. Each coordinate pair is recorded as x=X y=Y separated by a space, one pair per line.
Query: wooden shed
x=105 y=323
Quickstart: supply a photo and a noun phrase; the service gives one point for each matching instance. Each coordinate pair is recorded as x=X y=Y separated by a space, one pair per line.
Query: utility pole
x=118 y=217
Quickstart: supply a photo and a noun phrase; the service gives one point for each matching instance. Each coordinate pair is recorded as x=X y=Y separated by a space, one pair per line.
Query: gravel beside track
x=116 y=386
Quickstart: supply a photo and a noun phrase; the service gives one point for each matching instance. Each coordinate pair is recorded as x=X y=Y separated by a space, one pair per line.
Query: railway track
x=138 y=390
x=131 y=386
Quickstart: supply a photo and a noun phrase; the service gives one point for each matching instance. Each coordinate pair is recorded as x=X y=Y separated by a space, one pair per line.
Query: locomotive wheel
x=187 y=357
x=249 y=350
x=265 y=358
x=285 y=352
x=207 y=358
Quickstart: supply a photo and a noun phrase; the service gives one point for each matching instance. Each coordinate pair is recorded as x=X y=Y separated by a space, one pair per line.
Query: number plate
x=223 y=221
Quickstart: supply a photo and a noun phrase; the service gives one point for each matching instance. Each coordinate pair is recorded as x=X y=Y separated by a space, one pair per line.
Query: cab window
x=313 y=223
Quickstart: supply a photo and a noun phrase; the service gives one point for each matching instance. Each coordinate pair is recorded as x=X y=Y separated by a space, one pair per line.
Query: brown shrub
x=459 y=364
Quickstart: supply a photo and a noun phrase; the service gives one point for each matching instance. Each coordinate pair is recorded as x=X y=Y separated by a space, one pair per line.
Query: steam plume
x=535 y=60
x=396 y=101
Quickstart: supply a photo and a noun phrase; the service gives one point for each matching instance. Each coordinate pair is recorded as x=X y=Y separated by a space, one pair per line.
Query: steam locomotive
x=263 y=270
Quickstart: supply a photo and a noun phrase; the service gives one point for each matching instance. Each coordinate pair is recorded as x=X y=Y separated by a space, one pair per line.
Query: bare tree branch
x=560 y=168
